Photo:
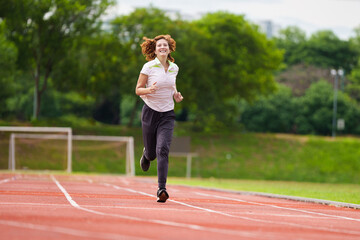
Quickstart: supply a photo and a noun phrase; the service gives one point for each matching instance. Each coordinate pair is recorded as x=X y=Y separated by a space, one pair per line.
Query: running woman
x=157 y=87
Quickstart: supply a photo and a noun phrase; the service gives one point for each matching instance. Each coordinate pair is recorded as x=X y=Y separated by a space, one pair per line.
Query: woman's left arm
x=177 y=95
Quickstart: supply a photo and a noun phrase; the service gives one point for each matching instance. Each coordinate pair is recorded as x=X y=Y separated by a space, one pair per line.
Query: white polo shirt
x=162 y=99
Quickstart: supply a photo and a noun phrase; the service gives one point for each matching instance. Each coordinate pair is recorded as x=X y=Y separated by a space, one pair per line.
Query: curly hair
x=149 y=45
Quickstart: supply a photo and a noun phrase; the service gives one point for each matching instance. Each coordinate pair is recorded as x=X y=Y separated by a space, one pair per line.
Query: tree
x=99 y=65
x=353 y=87
x=239 y=64
x=325 y=49
x=194 y=80
x=355 y=41
x=293 y=41
x=43 y=31
x=8 y=55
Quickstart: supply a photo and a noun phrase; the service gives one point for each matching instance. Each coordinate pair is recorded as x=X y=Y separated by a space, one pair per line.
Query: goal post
x=66 y=130
x=130 y=164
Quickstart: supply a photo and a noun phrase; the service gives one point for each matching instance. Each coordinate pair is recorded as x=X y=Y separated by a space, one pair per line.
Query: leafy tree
x=98 y=64
x=293 y=41
x=325 y=49
x=239 y=63
x=43 y=31
x=8 y=55
x=353 y=87
x=195 y=60
x=355 y=41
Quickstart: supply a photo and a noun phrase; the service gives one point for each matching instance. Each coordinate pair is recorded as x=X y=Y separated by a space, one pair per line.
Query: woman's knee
x=150 y=156
x=162 y=151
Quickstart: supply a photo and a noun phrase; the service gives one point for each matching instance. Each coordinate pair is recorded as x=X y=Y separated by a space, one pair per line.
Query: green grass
x=277 y=157
x=347 y=193
x=225 y=155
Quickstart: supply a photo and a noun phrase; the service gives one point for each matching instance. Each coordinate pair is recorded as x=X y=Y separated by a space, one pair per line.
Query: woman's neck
x=163 y=60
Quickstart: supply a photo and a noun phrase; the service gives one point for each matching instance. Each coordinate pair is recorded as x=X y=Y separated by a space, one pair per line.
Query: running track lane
x=41 y=206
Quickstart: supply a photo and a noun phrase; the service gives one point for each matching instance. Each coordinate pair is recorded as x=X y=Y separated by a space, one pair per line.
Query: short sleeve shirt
x=162 y=99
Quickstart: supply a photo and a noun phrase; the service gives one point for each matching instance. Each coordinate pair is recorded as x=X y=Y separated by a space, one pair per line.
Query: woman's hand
x=153 y=88
x=178 y=97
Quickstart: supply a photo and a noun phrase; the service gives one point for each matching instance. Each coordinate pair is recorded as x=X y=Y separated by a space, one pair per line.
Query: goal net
x=62 y=150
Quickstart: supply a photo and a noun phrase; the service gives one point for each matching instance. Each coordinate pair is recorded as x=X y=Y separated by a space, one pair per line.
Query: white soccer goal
x=68 y=131
x=130 y=165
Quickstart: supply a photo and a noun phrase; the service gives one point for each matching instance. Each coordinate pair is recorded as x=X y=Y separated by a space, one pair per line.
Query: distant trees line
x=305 y=97
x=60 y=61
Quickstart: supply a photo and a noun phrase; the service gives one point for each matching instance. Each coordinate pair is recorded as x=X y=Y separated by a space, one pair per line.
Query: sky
x=340 y=16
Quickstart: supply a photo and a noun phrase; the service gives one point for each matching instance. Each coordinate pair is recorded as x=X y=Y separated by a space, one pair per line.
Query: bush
x=315 y=111
x=271 y=114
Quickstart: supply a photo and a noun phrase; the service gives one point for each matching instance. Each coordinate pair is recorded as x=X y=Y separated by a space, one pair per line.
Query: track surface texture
x=46 y=206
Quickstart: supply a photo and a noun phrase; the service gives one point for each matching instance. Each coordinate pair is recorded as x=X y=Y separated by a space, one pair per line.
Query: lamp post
x=342 y=75
x=335 y=73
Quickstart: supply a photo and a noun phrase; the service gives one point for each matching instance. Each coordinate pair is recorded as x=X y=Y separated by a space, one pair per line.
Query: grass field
x=347 y=193
x=278 y=157
x=253 y=156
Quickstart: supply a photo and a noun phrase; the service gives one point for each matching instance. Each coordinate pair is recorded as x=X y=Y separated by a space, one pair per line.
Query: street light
x=335 y=73
x=342 y=74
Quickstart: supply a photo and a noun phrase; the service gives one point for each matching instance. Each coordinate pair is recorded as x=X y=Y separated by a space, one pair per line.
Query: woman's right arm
x=141 y=88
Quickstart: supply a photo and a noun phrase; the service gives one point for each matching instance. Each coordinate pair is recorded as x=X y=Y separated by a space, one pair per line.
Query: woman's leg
x=149 y=120
x=163 y=141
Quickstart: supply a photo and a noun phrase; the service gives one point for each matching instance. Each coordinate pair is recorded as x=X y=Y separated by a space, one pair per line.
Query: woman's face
x=162 y=48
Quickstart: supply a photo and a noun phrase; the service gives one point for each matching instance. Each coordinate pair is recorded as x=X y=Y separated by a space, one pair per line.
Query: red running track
x=115 y=207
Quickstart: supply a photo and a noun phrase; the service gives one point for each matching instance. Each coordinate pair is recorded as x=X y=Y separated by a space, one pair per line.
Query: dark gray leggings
x=157 y=128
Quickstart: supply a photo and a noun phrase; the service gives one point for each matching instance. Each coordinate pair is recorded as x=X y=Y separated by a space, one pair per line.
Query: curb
x=270 y=195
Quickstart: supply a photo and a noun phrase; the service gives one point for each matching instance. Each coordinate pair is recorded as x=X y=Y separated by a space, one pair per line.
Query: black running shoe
x=162 y=195
x=144 y=163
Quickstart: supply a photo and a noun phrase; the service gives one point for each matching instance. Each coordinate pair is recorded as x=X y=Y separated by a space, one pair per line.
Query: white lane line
x=75 y=205
x=162 y=222
x=88 y=180
x=124 y=181
x=279 y=207
x=67 y=231
x=154 y=208
x=8 y=179
x=150 y=195
x=242 y=217
x=5 y=180
x=35 y=204
x=83 y=179
x=280 y=215
x=95 y=206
